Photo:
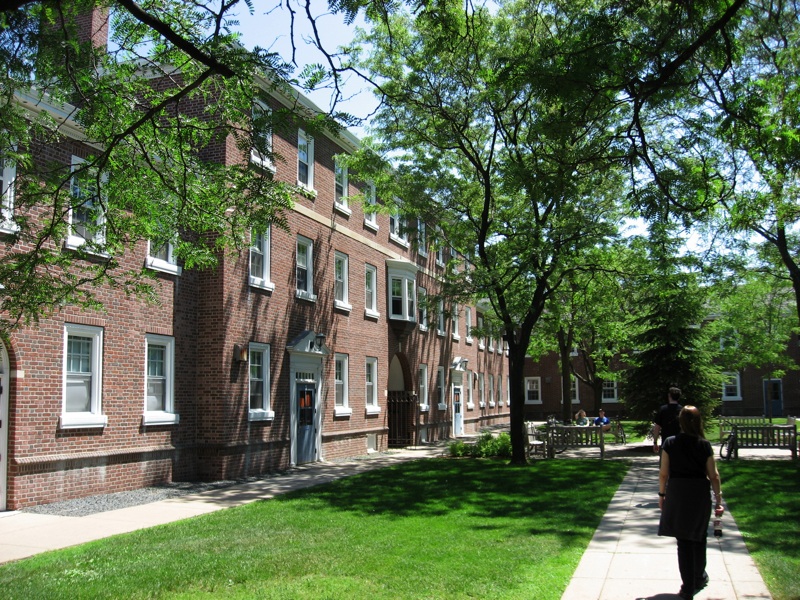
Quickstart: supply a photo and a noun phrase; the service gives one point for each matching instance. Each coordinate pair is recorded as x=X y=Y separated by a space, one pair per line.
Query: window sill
x=491 y=404
x=300 y=294
x=469 y=341
x=82 y=420
x=262 y=284
x=440 y=333
x=306 y=191
x=8 y=226
x=482 y=404
x=342 y=208
x=373 y=410
x=424 y=408
x=262 y=162
x=533 y=402
x=158 y=264
x=423 y=328
x=371 y=314
x=441 y=406
x=456 y=337
x=261 y=415
x=481 y=347
x=399 y=241
x=371 y=225
x=338 y=304
x=342 y=411
x=160 y=418
x=470 y=406
x=77 y=243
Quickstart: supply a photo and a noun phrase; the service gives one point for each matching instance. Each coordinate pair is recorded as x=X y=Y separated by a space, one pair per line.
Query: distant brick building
x=313 y=345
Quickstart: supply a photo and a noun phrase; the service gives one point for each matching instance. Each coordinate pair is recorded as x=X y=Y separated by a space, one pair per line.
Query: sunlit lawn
x=427 y=529
x=764 y=499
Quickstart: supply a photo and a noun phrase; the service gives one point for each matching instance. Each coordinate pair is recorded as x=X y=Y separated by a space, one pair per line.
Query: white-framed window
x=340 y=378
x=481 y=390
x=86 y=218
x=499 y=390
x=341 y=291
x=371 y=391
x=440 y=318
x=370 y=203
x=610 y=391
x=574 y=390
x=258 y=361
x=402 y=290
x=260 y=260
x=732 y=386
x=159 y=393
x=422 y=387
x=454 y=321
x=491 y=391
x=398 y=232
x=468 y=323
x=8 y=176
x=371 y=291
x=491 y=344
x=304 y=273
x=423 y=308
x=422 y=238
x=161 y=257
x=340 y=191
x=481 y=339
x=468 y=378
x=83 y=377
x=508 y=390
x=533 y=390
x=441 y=389
x=305 y=160
x=261 y=152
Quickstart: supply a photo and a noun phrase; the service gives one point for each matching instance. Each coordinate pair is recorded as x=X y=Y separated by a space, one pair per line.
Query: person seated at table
x=602 y=419
x=581 y=418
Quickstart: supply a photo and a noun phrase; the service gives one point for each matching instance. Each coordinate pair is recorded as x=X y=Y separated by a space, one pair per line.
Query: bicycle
x=728 y=446
x=618 y=431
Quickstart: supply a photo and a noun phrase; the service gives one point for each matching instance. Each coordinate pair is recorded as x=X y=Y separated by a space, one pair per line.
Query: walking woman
x=687 y=472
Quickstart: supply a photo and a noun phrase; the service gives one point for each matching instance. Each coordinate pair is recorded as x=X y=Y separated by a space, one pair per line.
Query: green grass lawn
x=426 y=529
x=764 y=499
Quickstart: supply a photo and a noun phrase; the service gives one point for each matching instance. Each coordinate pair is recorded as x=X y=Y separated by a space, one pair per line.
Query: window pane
x=256 y=380
x=79 y=393
x=156 y=393
x=397 y=296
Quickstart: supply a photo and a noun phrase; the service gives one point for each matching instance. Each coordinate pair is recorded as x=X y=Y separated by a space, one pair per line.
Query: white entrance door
x=458 y=411
x=4 y=366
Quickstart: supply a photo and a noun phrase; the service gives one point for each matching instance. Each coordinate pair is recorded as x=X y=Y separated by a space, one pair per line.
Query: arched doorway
x=401 y=404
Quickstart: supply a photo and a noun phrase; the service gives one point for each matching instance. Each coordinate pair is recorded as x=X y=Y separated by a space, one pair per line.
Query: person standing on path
x=666 y=421
x=687 y=472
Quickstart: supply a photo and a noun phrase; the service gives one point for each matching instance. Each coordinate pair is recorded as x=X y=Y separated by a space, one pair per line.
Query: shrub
x=487 y=446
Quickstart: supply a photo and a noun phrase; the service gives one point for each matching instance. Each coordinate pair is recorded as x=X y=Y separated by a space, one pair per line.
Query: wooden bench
x=764 y=436
x=726 y=424
x=537 y=440
x=562 y=437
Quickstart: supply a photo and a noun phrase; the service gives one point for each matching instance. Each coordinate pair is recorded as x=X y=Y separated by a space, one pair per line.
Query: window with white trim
x=370 y=205
x=305 y=160
x=341 y=269
x=423 y=308
x=340 y=378
x=732 y=386
x=422 y=238
x=440 y=318
x=468 y=379
x=398 y=231
x=8 y=176
x=83 y=377
x=159 y=401
x=258 y=361
x=371 y=291
x=468 y=323
x=440 y=256
x=508 y=390
x=454 y=321
x=574 y=393
x=340 y=186
x=86 y=218
x=441 y=390
x=371 y=392
x=161 y=257
x=402 y=290
x=533 y=390
x=260 y=260
x=491 y=390
x=261 y=152
x=422 y=386
x=481 y=339
x=610 y=392
x=481 y=390
x=499 y=390
x=304 y=273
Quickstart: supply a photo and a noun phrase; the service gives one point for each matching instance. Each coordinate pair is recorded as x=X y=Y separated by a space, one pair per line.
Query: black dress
x=687 y=506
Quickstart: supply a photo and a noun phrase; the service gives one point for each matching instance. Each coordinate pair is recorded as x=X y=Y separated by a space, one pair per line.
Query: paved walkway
x=625 y=560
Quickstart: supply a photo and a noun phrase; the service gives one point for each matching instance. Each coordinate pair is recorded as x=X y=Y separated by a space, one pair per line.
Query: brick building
x=313 y=345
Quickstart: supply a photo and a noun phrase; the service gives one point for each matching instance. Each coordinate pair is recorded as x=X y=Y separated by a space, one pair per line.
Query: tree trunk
x=519 y=435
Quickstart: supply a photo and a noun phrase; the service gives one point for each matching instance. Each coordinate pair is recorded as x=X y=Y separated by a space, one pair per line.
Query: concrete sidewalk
x=626 y=559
